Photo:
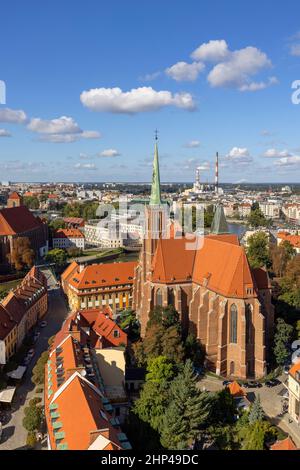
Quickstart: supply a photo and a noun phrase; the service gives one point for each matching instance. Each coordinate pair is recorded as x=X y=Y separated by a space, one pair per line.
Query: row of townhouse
x=85 y=400
x=20 y=310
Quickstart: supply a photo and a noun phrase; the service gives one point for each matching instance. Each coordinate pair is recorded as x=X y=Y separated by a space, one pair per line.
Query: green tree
x=187 y=411
x=31 y=202
x=57 y=224
x=258 y=250
x=57 y=256
x=255 y=437
x=172 y=346
x=257 y=219
x=194 y=350
x=152 y=403
x=256 y=411
x=33 y=418
x=282 y=338
x=31 y=439
x=159 y=370
x=38 y=372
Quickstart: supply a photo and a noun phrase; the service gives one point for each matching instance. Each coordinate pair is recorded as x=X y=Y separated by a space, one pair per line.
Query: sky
x=84 y=85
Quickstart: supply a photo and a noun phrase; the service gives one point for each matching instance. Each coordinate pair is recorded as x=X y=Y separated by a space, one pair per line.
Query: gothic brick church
x=220 y=299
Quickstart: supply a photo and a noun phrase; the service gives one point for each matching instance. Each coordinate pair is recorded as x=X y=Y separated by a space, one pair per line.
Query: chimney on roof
x=97 y=433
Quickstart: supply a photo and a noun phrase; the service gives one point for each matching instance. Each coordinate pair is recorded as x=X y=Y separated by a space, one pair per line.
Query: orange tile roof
x=293 y=239
x=261 y=278
x=236 y=390
x=104 y=327
x=100 y=275
x=285 y=444
x=16 y=220
x=68 y=233
x=69 y=270
x=14 y=195
x=218 y=263
x=81 y=414
x=295 y=368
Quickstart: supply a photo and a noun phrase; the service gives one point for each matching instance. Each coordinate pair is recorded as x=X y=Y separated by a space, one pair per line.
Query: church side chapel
x=219 y=298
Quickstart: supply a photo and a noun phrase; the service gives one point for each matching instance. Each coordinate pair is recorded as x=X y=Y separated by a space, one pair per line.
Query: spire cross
x=156 y=134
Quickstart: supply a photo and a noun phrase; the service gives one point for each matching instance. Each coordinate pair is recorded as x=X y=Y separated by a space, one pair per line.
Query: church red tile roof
x=17 y=220
x=219 y=264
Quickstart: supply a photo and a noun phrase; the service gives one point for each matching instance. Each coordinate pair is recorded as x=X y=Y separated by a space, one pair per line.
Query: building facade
x=99 y=285
x=65 y=238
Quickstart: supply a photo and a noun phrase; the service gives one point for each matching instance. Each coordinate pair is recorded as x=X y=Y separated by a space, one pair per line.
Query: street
x=271 y=401
x=14 y=434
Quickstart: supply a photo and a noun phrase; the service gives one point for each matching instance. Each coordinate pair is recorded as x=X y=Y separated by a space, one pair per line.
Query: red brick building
x=17 y=222
x=219 y=298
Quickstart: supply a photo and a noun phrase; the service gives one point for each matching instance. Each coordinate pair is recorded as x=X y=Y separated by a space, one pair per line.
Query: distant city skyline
x=87 y=85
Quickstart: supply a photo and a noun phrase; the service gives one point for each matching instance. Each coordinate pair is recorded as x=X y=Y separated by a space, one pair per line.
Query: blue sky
x=88 y=82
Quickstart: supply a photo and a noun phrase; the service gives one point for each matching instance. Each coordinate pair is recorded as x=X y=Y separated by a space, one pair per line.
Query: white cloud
x=90 y=135
x=60 y=130
x=182 y=71
x=150 y=76
x=238 y=68
x=15 y=116
x=17 y=165
x=193 y=163
x=4 y=133
x=109 y=153
x=212 y=51
x=85 y=166
x=274 y=153
x=239 y=155
x=192 y=144
x=137 y=100
x=295 y=50
x=255 y=86
x=62 y=125
x=290 y=161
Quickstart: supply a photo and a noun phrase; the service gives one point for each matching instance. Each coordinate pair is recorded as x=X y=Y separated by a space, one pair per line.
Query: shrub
x=31 y=439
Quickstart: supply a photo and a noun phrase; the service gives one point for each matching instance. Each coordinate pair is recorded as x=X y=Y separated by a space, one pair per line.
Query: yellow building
x=294 y=392
x=99 y=285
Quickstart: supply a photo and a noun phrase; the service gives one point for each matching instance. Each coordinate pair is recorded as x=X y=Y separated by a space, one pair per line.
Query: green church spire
x=155 y=198
x=219 y=224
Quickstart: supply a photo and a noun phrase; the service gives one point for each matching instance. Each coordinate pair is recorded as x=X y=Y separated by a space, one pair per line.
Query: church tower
x=156 y=217
x=156 y=227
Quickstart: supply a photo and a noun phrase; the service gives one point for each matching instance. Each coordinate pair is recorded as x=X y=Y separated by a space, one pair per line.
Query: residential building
x=99 y=285
x=14 y=200
x=294 y=392
x=68 y=238
x=219 y=298
x=294 y=240
x=271 y=210
x=20 y=310
x=83 y=388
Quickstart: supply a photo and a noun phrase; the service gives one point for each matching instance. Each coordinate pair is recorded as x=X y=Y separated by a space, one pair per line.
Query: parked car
x=43 y=324
x=36 y=336
x=226 y=383
x=272 y=383
x=30 y=353
x=254 y=384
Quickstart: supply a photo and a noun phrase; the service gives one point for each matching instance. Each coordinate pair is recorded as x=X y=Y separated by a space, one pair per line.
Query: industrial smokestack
x=197 y=176
x=217 y=172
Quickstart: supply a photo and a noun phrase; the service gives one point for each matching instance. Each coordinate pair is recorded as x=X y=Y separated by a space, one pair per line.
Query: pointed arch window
x=233 y=324
x=171 y=298
x=159 y=297
x=249 y=325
